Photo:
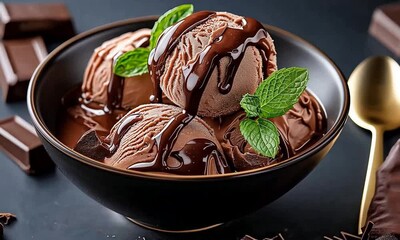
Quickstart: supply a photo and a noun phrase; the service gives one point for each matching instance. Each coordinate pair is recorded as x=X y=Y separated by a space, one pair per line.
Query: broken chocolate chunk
x=19 y=141
x=90 y=145
x=18 y=60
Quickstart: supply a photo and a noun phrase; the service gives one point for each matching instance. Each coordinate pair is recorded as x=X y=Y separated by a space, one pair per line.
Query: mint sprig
x=168 y=19
x=273 y=98
x=134 y=63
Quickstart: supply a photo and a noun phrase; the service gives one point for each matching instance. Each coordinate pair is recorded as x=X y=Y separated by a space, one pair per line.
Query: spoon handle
x=374 y=162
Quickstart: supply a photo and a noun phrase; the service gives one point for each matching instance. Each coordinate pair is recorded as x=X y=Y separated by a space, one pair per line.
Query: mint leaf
x=281 y=90
x=262 y=135
x=132 y=63
x=251 y=105
x=168 y=19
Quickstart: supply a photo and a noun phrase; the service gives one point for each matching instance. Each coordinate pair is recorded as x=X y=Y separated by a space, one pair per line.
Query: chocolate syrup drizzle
x=194 y=158
x=190 y=156
x=114 y=93
x=112 y=141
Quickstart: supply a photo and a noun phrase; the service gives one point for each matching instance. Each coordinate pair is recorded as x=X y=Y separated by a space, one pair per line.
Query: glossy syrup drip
x=112 y=141
x=200 y=157
x=114 y=93
x=115 y=88
x=164 y=140
x=194 y=158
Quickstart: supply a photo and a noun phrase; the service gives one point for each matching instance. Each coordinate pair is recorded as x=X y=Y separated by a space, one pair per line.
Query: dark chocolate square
x=30 y=19
x=385 y=26
x=18 y=60
x=19 y=141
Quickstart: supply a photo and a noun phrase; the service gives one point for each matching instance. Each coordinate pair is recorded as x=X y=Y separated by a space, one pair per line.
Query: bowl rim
x=50 y=138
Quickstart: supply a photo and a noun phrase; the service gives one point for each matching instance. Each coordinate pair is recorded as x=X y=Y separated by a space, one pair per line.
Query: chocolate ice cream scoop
x=384 y=210
x=100 y=85
x=159 y=138
x=299 y=128
x=208 y=61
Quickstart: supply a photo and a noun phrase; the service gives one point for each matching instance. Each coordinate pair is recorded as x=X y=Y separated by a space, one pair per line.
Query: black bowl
x=179 y=203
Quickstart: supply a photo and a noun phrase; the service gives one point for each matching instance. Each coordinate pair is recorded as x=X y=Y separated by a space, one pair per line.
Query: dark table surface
x=326 y=202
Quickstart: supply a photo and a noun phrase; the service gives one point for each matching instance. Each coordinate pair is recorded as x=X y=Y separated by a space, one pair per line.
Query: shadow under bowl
x=179 y=203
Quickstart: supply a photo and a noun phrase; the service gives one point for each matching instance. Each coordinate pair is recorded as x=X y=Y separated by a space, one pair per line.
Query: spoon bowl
x=375 y=93
x=375 y=90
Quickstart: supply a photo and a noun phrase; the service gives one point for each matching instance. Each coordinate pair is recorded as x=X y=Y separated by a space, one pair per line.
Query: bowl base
x=150 y=227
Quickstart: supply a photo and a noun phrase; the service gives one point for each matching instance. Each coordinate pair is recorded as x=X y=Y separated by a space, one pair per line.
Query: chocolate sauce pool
x=231 y=43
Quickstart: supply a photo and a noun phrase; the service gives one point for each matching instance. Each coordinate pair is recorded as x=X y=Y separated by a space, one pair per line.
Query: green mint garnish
x=262 y=135
x=280 y=91
x=251 y=105
x=273 y=98
x=168 y=19
x=134 y=63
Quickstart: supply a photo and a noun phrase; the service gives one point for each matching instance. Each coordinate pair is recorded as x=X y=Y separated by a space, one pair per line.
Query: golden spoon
x=375 y=105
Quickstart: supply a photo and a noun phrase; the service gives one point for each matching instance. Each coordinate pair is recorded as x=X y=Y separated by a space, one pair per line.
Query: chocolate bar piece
x=385 y=26
x=18 y=59
x=27 y=19
x=19 y=141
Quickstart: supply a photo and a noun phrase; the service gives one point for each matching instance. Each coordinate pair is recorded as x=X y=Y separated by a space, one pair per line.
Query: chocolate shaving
x=348 y=236
x=277 y=237
x=6 y=218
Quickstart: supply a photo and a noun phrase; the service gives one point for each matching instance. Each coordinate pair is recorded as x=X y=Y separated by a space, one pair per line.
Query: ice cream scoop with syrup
x=146 y=139
x=208 y=61
x=100 y=85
